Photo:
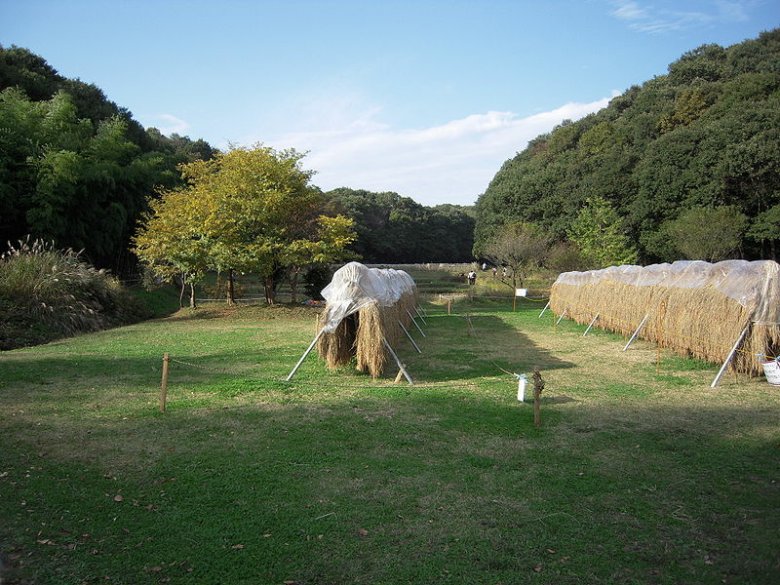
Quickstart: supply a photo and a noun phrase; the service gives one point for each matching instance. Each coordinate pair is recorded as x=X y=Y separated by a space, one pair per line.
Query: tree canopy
x=250 y=210
x=704 y=136
x=396 y=229
x=76 y=168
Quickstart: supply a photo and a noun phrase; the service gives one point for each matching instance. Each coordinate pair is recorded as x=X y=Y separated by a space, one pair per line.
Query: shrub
x=315 y=279
x=47 y=293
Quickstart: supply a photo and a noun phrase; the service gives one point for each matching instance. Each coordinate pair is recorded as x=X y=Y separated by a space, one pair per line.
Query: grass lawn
x=640 y=473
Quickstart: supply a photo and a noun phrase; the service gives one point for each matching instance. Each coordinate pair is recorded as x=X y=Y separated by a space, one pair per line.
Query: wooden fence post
x=164 y=383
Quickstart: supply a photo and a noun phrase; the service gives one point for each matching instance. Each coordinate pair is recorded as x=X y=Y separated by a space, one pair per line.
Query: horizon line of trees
x=79 y=171
x=686 y=165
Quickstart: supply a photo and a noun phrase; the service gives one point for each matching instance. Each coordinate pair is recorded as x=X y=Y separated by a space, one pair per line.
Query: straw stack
x=694 y=308
x=361 y=333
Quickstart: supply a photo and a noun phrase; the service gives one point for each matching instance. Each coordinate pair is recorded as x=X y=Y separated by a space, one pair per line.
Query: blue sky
x=426 y=98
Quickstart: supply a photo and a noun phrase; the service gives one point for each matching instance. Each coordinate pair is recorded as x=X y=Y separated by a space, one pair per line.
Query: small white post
x=729 y=358
x=638 y=329
x=303 y=357
x=562 y=316
x=410 y=337
x=592 y=323
x=397 y=361
x=543 y=310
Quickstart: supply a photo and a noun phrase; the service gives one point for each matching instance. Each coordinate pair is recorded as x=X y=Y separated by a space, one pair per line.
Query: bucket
x=772 y=372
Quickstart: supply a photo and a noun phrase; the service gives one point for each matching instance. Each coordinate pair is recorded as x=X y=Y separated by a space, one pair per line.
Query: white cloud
x=661 y=17
x=449 y=163
x=169 y=124
x=629 y=11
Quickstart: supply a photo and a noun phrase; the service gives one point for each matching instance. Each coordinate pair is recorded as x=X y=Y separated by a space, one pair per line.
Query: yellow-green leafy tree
x=170 y=243
x=249 y=210
x=331 y=237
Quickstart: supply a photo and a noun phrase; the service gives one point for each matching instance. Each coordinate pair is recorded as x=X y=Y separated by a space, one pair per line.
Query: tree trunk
x=231 y=289
x=192 y=295
x=269 y=289
x=294 y=273
x=181 y=291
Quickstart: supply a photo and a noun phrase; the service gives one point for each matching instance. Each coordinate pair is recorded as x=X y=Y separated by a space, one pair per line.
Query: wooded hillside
x=75 y=168
x=695 y=151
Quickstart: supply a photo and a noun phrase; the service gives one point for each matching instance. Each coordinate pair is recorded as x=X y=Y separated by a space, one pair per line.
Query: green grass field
x=640 y=473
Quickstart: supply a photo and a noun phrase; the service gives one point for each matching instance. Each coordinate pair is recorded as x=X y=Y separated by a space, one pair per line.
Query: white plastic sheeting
x=754 y=285
x=355 y=285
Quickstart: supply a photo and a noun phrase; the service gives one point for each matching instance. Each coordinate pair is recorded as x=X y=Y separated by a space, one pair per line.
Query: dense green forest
x=396 y=229
x=691 y=154
x=75 y=168
x=79 y=171
x=684 y=158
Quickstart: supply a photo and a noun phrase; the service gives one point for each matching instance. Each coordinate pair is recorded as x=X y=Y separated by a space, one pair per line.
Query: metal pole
x=420 y=314
x=303 y=357
x=638 y=329
x=543 y=310
x=397 y=361
x=591 y=324
x=561 y=317
x=415 y=323
x=729 y=358
x=410 y=337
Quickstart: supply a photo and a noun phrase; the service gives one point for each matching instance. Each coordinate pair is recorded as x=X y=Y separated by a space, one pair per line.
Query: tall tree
x=75 y=167
x=710 y=234
x=519 y=246
x=251 y=210
x=598 y=234
x=170 y=242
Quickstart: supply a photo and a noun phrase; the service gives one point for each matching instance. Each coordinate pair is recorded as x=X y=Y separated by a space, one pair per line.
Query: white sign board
x=521 y=292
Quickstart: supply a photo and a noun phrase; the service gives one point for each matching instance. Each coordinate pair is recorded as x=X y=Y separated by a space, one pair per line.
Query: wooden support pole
x=730 y=356
x=410 y=337
x=449 y=306
x=164 y=383
x=397 y=361
x=638 y=329
x=416 y=310
x=303 y=357
x=538 y=387
x=470 y=329
x=398 y=376
x=592 y=323
x=415 y=323
x=543 y=310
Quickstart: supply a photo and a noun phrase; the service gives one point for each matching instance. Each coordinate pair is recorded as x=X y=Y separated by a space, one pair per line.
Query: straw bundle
x=371 y=317
x=337 y=348
x=693 y=308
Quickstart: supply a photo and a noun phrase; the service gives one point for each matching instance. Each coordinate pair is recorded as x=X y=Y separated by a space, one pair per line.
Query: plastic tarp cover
x=751 y=284
x=355 y=285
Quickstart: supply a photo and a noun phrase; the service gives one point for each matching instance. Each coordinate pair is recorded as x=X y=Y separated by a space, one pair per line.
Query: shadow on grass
x=468 y=346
